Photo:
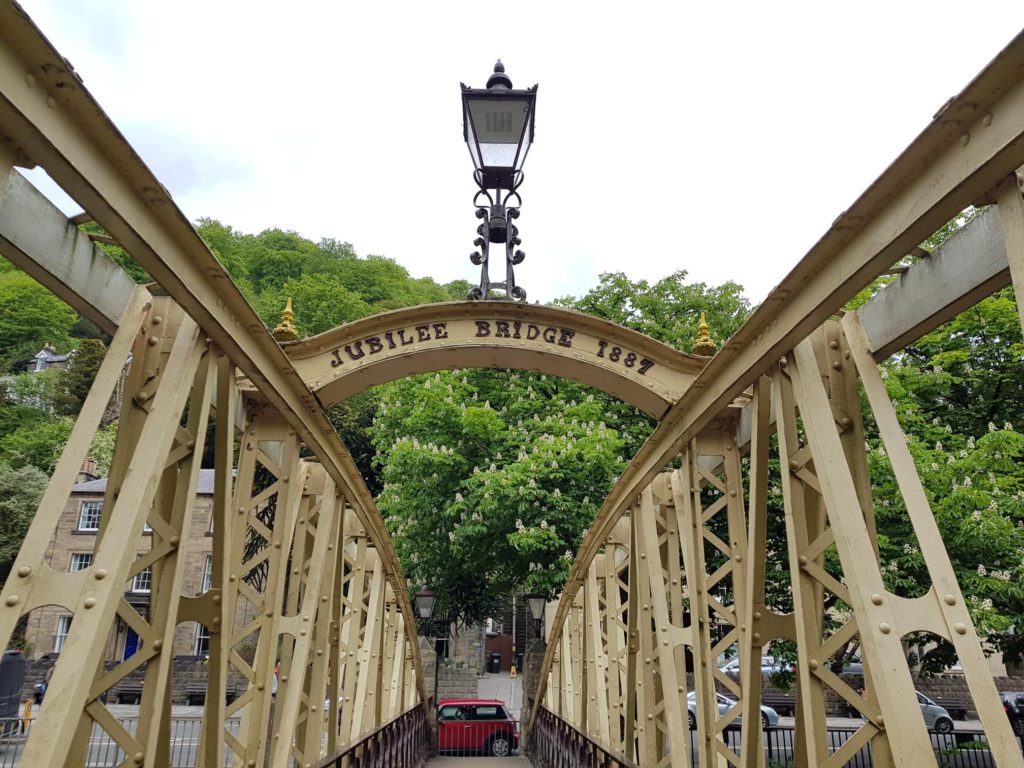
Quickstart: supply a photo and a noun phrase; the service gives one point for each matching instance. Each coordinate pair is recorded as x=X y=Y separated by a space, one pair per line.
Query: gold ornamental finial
x=704 y=345
x=285 y=330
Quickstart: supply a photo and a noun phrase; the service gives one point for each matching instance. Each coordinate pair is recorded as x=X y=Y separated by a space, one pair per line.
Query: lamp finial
x=499 y=79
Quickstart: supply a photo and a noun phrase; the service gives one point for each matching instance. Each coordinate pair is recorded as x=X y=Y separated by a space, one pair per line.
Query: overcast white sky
x=719 y=138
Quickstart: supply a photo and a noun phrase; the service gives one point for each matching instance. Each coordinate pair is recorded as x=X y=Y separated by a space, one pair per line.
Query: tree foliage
x=20 y=491
x=30 y=316
x=490 y=478
x=958 y=394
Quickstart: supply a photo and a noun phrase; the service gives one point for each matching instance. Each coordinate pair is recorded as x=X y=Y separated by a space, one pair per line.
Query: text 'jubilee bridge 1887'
x=334 y=607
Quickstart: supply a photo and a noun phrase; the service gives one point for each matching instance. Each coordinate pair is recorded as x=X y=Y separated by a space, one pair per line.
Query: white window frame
x=202 y=634
x=207 y=576
x=92 y=508
x=79 y=561
x=142 y=582
x=61 y=635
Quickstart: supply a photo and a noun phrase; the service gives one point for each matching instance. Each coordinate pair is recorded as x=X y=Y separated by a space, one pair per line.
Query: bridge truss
x=303 y=569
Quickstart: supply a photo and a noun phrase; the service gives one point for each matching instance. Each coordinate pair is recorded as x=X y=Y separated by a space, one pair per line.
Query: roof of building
x=205 y=486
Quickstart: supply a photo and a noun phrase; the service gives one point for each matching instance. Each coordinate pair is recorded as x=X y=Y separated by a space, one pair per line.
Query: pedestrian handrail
x=555 y=743
x=399 y=743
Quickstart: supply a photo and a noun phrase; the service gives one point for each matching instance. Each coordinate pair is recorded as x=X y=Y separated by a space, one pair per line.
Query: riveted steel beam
x=972 y=144
x=55 y=122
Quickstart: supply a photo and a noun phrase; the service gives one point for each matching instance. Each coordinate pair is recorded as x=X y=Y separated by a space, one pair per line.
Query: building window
x=80 y=561
x=207 y=575
x=202 y=645
x=143 y=581
x=89 y=516
x=63 y=627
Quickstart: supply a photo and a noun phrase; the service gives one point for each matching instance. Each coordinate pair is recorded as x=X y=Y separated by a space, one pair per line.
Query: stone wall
x=948 y=690
x=456 y=679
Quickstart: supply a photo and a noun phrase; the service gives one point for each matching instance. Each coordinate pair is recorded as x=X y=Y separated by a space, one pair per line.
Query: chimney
x=88 y=470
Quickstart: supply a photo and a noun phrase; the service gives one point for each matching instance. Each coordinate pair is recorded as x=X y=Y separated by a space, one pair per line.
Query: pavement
x=503 y=687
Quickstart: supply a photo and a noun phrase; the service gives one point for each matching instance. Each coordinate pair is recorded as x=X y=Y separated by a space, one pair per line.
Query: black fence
x=554 y=743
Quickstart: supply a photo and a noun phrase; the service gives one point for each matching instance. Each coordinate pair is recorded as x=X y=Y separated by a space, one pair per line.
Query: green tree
x=669 y=310
x=30 y=316
x=37 y=444
x=957 y=392
x=75 y=380
x=20 y=491
x=490 y=478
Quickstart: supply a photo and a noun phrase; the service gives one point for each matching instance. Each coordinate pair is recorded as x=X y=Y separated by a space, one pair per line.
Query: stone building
x=71 y=549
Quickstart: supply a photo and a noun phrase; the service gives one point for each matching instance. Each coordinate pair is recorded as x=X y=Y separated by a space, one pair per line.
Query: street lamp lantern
x=497 y=124
x=537 y=603
x=424 y=600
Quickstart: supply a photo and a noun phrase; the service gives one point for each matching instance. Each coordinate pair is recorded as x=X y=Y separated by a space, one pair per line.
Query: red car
x=481 y=726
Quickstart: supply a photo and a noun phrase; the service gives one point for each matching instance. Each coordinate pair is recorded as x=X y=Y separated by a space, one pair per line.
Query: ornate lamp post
x=498 y=127
x=424 y=601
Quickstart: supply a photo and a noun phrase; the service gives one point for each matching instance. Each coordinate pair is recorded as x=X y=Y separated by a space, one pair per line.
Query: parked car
x=769 y=717
x=769 y=666
x=936 y=718
x=844 y=666
x=1013 y=705
x=479 y=726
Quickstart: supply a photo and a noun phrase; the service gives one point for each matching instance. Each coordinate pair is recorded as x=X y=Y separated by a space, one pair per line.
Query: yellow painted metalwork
x=306 y=588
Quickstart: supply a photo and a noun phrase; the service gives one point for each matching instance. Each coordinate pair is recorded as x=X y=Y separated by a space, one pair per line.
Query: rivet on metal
x=834 y=344
x=837 y=365
x=802 y=560
x=12 y=600
x=89 y=602
x=876 y=599
x=960 y=628
x=158 y=644
x=24 y=571
x=950 y=600
x=812 y=664
x=884 y=628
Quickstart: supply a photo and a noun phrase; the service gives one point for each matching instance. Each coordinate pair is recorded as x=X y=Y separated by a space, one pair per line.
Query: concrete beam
x=38 y=239
x=966 y=268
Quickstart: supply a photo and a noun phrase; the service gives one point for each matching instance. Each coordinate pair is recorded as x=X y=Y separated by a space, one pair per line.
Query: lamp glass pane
x=537 y=607
x=498 y=126
x=424 y=605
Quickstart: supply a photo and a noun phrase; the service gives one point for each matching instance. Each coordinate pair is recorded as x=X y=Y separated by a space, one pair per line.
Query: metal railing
x=400 y=743
x=554 y=743
x=103 y=751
